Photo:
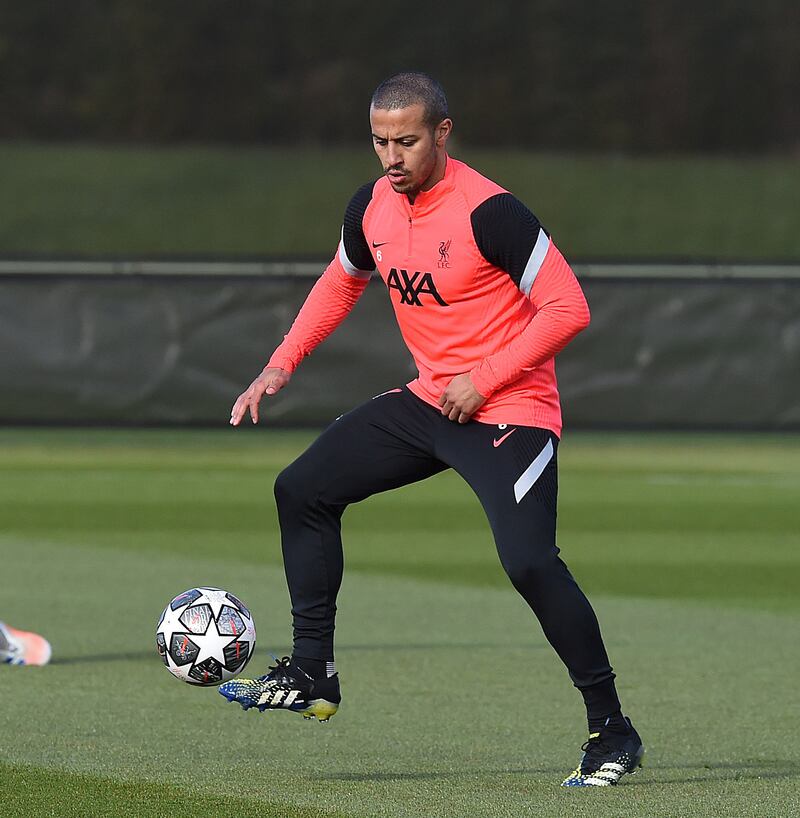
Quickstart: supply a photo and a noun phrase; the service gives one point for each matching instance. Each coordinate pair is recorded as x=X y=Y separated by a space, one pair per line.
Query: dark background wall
x=661 y=352
x=550 y=74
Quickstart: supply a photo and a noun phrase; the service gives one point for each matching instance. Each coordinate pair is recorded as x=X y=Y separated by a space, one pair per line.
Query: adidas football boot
x=286 y=687
x=22 y=648
x=607 y=756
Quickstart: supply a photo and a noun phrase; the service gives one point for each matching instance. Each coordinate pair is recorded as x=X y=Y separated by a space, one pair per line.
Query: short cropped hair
x=412 y=88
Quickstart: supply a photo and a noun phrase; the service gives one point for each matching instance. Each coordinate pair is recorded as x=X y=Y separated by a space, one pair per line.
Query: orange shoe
x=22 y=648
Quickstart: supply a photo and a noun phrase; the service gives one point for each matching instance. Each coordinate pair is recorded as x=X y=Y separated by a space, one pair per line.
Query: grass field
x=454 y=705
x=117 y=200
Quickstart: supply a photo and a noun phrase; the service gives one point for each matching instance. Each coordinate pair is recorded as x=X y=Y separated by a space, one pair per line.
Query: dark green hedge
x=549 y=74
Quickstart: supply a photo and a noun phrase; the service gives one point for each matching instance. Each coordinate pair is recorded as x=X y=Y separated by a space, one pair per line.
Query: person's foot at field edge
x=287 y=687
x=22 y=647
x=607 y=756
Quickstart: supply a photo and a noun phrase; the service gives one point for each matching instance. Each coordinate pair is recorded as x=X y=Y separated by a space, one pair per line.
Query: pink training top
x=476 y=284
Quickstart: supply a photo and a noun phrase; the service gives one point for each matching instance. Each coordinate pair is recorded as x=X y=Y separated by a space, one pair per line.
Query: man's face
x=411 y=152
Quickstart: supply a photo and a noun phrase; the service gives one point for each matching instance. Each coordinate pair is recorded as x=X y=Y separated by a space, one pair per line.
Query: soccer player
x=484 y=301
x=22 y=648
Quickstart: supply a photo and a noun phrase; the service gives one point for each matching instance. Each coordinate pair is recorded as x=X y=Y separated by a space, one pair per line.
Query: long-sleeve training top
x=476 y=284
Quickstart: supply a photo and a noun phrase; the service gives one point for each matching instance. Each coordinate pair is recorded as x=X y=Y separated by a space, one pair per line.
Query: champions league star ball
x=205 y=636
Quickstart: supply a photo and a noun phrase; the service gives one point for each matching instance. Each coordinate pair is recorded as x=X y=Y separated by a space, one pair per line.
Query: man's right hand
x=270 y=381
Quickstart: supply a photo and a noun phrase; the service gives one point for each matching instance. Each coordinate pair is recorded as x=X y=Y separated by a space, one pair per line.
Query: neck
x=436 y=175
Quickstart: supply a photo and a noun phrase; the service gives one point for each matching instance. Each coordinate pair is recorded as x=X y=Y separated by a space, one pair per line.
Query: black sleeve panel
x=506 y=233
x=355 y=245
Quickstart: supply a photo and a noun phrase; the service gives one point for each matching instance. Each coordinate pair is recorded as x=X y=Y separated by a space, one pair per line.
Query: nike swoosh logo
x=379 y=243
x=498 y=440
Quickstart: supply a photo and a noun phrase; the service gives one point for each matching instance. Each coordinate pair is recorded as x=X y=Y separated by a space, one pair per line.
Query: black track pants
x=396 y=439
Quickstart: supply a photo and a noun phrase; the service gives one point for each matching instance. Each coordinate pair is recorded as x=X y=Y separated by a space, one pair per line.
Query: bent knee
x=533 y=570
x=293 y=487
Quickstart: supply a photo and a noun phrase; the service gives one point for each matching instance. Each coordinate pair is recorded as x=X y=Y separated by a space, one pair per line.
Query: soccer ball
x=205 y=636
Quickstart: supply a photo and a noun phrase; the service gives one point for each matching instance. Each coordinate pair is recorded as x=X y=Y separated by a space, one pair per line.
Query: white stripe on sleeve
x=534 y=262
x=348 y=265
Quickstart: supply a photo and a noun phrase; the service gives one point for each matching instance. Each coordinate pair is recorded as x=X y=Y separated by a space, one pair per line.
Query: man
x=22 y=647
x=484 y=300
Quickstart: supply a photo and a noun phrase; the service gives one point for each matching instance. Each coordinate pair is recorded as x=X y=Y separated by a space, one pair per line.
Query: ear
x=443 y=131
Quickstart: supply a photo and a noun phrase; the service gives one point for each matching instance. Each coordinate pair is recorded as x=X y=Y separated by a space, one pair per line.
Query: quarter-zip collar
x=428 y=199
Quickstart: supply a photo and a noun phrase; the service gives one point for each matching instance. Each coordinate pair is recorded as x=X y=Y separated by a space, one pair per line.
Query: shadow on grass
x=754 y=769
x=132 y=656
x=428 y=775
x=97 y=658
x=532 y=645
x=726 y=771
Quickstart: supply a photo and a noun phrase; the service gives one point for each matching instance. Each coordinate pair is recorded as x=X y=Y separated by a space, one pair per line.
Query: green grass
x=686 y=544
x=30 y=791
x=91 y=199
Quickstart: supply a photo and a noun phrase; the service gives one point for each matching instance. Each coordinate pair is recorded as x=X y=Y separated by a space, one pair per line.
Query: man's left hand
x=461 y=399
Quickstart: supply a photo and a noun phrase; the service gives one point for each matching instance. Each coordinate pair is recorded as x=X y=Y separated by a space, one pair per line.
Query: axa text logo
x=411 y=287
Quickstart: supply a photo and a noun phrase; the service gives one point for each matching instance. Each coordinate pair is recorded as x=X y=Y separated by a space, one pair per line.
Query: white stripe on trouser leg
x=533 y=472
